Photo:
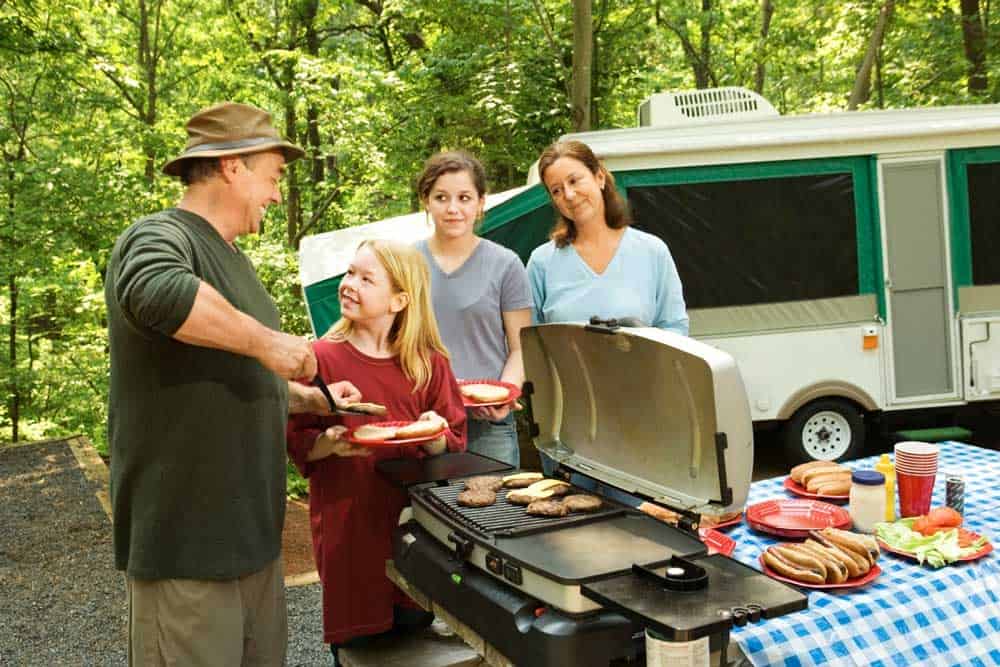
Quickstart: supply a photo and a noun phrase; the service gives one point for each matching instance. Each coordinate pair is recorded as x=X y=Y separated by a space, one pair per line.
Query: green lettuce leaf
x=937 y=550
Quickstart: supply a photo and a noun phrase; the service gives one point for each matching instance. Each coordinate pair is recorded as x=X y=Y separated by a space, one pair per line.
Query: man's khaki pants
x=191 y=622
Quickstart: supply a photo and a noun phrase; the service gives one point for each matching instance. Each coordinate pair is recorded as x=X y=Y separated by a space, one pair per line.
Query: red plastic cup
x=914 y=493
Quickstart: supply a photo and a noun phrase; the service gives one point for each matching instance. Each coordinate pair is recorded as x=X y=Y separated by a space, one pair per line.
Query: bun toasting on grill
x=521 y=480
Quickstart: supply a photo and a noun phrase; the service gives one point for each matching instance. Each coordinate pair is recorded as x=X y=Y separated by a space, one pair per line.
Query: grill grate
x=506 y=519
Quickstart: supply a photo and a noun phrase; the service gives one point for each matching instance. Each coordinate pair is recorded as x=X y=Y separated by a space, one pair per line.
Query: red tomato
x=921 y=524
x=966 y=538
x=944 y=516
x=933 y=530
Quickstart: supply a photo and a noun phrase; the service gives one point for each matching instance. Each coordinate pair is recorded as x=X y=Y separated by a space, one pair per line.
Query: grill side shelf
x=734 y=594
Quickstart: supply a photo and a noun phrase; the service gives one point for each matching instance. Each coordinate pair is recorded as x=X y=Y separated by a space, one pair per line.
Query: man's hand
x=289 y=356
x=331 y=443
x=344 y=392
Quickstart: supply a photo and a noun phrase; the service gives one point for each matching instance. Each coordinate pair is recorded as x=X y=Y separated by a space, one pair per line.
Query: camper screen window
x=984 y=222
x=756 y=241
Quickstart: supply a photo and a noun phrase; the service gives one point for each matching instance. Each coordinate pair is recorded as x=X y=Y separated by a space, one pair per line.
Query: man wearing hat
x=198 y=403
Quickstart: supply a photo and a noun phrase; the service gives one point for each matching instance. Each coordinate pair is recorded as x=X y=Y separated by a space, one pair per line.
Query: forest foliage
x=94 y=95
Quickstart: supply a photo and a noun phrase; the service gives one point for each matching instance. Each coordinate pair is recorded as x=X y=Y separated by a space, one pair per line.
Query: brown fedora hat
x=230 y=128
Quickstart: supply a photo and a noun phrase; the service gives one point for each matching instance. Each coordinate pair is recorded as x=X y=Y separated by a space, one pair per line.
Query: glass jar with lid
x=867 y=500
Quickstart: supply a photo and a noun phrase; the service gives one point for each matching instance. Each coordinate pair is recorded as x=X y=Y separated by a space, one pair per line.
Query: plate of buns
x=486 y=393
x=823 y=480
x=829 y=558
x=393 y=433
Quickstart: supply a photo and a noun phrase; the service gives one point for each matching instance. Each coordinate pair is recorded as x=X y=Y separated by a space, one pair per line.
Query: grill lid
x=645 y=410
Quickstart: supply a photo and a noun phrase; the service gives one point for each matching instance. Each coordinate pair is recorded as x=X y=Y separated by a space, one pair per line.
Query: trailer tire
x=829 y=429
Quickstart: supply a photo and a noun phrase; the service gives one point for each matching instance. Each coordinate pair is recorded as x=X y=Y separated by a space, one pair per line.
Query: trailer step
x=934 y=434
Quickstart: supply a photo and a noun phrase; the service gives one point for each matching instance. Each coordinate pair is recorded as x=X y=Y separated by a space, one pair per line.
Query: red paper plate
x=866 y=578
x=800 y=490
x=796 y=517
x=717 y=543
x=985 y=549
x=515 y=393
x=349 y=436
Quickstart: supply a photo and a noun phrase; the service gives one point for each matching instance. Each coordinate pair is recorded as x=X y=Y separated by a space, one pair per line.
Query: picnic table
x=911 y=614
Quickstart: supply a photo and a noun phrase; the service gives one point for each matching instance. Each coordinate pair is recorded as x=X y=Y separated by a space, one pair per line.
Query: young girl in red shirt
x=387 y=344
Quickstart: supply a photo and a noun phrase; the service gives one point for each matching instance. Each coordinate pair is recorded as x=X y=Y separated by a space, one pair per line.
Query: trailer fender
x=827 y=389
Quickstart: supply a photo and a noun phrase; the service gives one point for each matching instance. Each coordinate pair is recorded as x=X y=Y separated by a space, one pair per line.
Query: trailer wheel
x=830 y=429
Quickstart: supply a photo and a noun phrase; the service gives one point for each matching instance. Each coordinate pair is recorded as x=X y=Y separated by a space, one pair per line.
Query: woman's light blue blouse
x=641 y=281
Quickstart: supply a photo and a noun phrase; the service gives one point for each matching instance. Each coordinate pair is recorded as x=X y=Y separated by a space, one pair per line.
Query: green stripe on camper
x=323 y=304
x=959 y=222
x=862 y=170
x=531 y=210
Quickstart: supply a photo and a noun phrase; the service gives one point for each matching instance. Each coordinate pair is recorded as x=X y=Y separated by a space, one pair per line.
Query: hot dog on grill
x=777 y=561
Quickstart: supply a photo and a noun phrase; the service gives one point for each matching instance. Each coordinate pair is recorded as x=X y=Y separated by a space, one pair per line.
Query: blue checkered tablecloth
x=911 y=614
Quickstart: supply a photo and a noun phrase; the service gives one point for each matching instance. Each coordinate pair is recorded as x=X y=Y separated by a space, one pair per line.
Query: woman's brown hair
x=616 y=213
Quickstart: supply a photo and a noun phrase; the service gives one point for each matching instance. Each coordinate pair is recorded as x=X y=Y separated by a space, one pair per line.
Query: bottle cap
x=868 y=477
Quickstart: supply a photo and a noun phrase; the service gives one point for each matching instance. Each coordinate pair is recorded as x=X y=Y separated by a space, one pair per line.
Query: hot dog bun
x=857 y=564
x=832 y=479
x=836 y=570
x=799 y=470
x=801 y=558
x=823 y=471
x=775 y=560
x=521 y=480
x=419 y=429
x=372 y=433
x=864 y=545
x=838 y=487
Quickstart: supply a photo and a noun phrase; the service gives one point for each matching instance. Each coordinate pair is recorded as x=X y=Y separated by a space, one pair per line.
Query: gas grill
x=636 y=410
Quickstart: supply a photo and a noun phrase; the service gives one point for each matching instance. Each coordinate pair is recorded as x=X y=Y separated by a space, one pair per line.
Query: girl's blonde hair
x=414 y=333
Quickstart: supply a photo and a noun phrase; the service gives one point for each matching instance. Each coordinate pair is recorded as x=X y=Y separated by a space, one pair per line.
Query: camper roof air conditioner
x=711 y=104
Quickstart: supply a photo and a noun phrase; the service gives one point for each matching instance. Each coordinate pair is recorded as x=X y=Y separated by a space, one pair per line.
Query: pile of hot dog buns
x=823 y=478
x=829 y=556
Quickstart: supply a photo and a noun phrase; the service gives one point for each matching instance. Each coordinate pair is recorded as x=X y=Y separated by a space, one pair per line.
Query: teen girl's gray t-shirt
x=469 y=303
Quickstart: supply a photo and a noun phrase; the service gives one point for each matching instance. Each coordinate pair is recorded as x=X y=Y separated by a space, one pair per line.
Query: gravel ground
x=305 y=628
x=61 y=600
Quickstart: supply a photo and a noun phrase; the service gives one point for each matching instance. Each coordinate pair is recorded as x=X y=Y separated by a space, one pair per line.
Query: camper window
x=984 y=221
x=755 y=241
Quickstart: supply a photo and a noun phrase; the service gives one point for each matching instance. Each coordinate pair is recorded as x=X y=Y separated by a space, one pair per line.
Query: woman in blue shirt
x=595 y=263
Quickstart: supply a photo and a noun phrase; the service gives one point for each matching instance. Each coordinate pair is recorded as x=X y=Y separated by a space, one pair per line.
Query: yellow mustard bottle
x=888 y=470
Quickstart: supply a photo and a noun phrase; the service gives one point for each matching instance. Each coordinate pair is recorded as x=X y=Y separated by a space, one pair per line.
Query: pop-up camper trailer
x=847 y=260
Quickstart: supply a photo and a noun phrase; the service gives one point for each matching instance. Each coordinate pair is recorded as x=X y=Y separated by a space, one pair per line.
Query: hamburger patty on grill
x=476 y=498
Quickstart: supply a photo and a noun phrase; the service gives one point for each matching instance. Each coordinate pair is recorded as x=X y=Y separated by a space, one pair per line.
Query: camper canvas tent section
x=323 y=258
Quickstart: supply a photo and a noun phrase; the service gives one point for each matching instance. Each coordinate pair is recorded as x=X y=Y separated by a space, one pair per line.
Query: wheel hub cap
x=826 y=435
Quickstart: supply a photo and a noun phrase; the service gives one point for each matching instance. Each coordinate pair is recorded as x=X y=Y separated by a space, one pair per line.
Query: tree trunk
x=313 y=142
x=583 y=52
x=862 y=82
x=766 y=12
x=974 y=40
x=14 y=402
x=147 y=61
x=293 y=209
x=703 y=71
